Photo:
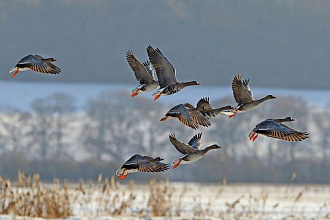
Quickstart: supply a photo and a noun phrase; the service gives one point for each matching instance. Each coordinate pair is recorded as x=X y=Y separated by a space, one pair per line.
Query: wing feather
x=165 y=71
x=180 y=146
x=141 y=73
x=242 y=92
x=196 y=141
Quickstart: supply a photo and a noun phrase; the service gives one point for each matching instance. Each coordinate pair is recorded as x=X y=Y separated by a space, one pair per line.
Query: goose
x=144 y=74
x=141 y=163
x=275 y=129
x=188 y=115
x=36 y=63
x=208 y=111
x=166 y=74
x=190 y=151
x=244 y=96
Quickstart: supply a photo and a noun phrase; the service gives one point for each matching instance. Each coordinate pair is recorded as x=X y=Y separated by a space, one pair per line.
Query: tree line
x=56 y=139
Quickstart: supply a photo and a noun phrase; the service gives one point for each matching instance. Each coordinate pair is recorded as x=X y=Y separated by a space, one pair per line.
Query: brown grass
x=31 y=198
x=106 y=197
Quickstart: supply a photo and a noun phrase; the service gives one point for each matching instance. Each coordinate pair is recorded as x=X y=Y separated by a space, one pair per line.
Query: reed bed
x=108 y=198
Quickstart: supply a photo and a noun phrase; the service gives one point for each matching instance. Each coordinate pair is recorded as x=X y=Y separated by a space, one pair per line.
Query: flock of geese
x=188 y=115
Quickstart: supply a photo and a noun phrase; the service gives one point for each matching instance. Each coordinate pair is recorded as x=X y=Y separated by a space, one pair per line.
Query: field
x=108 y=198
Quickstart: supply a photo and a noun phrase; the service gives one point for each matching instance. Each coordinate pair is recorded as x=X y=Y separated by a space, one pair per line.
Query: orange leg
x=252 y=135
x=233 y=114
x=133 y=94
x=177 y=164
x=123 y=176
x=164 y=118
x=157 y=96
x=255 y=137
x=15 y=73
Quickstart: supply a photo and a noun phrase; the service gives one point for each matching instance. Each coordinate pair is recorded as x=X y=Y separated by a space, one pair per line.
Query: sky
x=276 y=43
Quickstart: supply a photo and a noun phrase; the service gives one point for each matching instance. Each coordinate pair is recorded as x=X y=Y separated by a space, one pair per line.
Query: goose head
x=270 y=97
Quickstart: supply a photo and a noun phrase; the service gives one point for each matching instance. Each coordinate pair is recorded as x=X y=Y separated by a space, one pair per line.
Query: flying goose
x=275 y=129
x=36 y=63
x=244 y=96
x=144 y=74
x=141 y=163
x=190 y=151
x=188 y=115
x=208 y=111
x=166 y=74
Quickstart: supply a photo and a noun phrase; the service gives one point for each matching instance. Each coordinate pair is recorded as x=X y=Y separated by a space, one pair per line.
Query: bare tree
x=14 y=124
x=61 y=108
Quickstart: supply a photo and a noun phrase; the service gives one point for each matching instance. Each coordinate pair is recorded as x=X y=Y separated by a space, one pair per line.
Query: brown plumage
x=141 y=163
x=188 y=115
x=275 y=129
x=36 y=63
x=244 y=96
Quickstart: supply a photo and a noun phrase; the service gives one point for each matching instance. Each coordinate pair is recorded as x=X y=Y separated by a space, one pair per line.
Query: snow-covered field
x=202 y=201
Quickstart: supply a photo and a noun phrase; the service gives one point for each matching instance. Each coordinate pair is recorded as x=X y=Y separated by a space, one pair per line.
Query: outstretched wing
x=241 y=90
x=165 y=71
x=196 y=141
x=277 y=130
x=144 y=165
x=180 y=146
x=148 y=166
x=204 y=103
x=35 y=63
x=200 y=119
x=180 y=111
x=141 y=73
x=149 y=68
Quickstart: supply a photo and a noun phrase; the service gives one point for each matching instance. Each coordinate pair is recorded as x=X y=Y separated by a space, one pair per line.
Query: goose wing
x=35 y=63
x=241 y=90
x=200 y=119
x=149 y=68
x=204 y=103
x=144 y=165
x=148 y=166
x=196 y=141
x=197 y=116
x=142 y=72
x=180 y=111
x=165 y=71
x=180 y=146
x=277 y=130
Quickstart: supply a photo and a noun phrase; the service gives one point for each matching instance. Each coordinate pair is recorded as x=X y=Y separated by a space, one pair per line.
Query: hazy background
x=83 y=122
x=276 y=43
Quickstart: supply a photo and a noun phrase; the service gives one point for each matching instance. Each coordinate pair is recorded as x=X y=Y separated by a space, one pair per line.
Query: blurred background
x=83 y=122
